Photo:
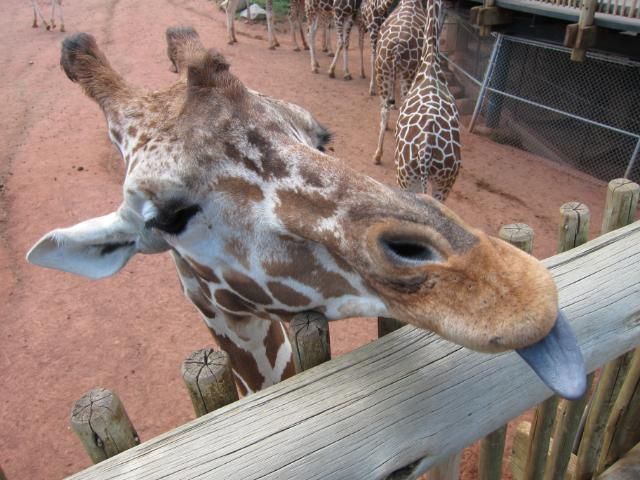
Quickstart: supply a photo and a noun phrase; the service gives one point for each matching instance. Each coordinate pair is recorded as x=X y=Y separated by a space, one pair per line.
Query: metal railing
x=531 y=96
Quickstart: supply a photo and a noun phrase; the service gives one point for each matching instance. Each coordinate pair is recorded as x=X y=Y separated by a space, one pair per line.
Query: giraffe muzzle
x=558 y=361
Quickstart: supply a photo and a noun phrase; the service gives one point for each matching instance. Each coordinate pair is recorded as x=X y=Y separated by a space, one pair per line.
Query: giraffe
x=317 y=12
x=38 y=13
x=231 y=7
x=398 y=54
x=262 y=225
x=296 y=21
x=373 y=13
x=427 y=132
x=344 y=12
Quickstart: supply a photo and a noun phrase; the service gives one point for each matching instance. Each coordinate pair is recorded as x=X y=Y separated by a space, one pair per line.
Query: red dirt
x=63 y=335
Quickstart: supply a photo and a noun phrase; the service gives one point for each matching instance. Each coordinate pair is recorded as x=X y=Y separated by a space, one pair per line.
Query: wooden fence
x=410 y=401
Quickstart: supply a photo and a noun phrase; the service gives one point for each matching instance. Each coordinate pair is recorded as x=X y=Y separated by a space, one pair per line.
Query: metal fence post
x=485 y=83
x=634 y=157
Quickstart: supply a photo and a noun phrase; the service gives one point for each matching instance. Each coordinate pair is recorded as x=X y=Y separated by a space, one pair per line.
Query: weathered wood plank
x=627 y=468
x=408 y=395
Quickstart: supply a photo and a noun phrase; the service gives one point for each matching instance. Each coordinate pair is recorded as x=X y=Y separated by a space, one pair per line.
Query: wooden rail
x=407 y=396
x=625 y=16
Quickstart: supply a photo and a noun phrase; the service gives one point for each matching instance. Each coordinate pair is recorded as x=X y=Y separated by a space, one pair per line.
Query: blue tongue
x=557 y=360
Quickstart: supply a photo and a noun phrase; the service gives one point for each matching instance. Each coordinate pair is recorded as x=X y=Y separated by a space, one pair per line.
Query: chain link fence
x=530 y=95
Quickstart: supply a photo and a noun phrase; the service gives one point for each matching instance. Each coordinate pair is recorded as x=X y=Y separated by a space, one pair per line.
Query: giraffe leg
x=293 y=24
x=273 y=41
x=372 y=83
x=384 y=120
x=346 y=32
x=313 y=27
x=339 y=32
x=305 y=45
x=36 y=11
x=231 y=11
x=324 y=37
x=405 y=86
x=61 y=16
x=296 y=48
x=53 y=14
x=328 y=41
x=361 y=48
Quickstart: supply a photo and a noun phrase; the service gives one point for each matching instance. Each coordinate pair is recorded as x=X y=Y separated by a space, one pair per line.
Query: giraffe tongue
x=557 y=360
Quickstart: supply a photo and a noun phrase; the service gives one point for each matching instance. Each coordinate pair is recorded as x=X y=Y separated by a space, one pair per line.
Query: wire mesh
x=586 y=115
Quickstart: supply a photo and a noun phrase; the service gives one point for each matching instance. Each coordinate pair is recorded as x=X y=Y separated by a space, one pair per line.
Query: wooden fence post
x=492 y=446
x=519 y=235
x=573 y=232
x=491 y=453
x=209 y=380
x=387 y=325
x=564 y=433
x=620 y=206
x=623 y=427
x=601 y=404
x=574 y=225
x=310 y=341
x=620 y=209
x=102 y=425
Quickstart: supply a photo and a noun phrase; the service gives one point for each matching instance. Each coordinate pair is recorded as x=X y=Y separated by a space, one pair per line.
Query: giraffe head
x=233 y=182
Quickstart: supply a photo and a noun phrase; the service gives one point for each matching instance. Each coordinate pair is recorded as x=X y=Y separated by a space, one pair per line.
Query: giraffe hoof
x=348 y=77
x=377 y=161
x=276 y=44
x=272 y=47
x=34 y=25
x=62 y=29
x=314 y=70
x=330 y=54
x=331 y=74
x=297 y=49
x=306 y=47
x=48 y=27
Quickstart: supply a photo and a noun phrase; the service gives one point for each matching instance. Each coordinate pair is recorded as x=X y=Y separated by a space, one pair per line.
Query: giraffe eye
x=409 y=252
x=173 y=222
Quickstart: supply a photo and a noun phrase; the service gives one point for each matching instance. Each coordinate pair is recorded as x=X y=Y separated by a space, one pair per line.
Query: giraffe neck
x=430 y=64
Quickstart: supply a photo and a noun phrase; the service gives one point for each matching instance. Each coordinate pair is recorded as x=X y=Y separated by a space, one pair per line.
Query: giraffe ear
x=95 y=248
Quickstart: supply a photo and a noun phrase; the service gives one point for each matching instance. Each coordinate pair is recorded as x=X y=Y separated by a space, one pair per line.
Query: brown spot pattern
x=239 y=189
x=273 y=341
x=287 y=295
x=303 y=266
x=204 y=271
x=247 y=287
x=299 y=211
x=242 y=362
x=232 y=302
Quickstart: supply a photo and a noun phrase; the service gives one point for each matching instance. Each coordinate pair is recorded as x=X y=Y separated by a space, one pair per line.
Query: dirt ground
x=61 y=335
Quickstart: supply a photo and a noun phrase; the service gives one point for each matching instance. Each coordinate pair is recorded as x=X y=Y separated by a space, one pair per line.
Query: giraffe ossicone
x=262 y=225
